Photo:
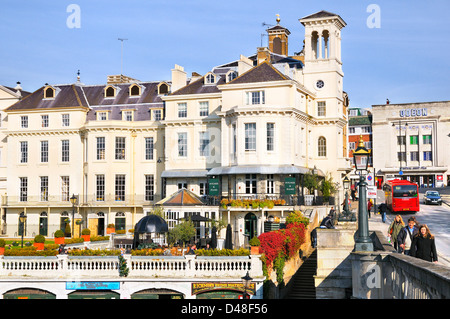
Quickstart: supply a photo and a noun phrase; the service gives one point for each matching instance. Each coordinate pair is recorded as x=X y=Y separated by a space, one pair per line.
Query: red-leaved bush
x=284 y=242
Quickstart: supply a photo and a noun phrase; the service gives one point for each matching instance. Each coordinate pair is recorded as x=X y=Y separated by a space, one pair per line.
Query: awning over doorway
x=176 y=173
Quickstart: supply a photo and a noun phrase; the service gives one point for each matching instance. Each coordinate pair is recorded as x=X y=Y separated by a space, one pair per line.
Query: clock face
x=320 y=84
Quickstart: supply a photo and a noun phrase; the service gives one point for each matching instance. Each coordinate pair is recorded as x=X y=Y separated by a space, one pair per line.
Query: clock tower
x=323 y=62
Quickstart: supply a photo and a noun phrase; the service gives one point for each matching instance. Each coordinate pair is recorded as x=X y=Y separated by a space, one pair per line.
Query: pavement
x=376 y=223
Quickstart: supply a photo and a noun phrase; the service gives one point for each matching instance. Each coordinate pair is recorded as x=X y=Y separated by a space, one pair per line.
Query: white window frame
x=182 y=110
x=182 y=144
x=204 y=143
x=270 y=131
x=44 y=151
x=250 y=136
x=65 y=151
x=255 y=97
x=65 y=120
x=204 y=108
x=24 y=121
x=149 y=148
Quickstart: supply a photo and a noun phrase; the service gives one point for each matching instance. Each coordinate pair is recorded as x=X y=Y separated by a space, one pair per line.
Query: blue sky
x=405 y=60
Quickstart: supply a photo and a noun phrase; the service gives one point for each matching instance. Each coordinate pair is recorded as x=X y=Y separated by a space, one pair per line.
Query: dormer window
x=163 y=88
x=110 y=92
x=210 y=78
x=135 y=90
x=231 y=75
x=49 y=93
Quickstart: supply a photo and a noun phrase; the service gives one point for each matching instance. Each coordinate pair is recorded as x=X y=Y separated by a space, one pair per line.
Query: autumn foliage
x=284 y=243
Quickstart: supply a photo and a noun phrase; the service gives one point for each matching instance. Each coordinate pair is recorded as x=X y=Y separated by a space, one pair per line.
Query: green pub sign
x=213 y=186
x=289 y=185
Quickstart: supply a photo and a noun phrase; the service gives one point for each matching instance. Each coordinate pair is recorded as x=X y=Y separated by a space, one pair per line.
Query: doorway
x=250 y=229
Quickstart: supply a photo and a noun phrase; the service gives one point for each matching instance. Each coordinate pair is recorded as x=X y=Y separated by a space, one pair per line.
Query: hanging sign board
x=213 y=186
x=289 y=185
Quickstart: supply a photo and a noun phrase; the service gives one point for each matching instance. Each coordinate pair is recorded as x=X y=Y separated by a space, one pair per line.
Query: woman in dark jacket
x=423 y=245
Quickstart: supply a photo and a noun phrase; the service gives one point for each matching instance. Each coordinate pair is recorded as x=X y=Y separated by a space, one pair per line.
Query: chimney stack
x=179 y=78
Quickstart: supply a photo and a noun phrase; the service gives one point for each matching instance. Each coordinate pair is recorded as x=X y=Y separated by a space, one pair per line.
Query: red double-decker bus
x=401 y=196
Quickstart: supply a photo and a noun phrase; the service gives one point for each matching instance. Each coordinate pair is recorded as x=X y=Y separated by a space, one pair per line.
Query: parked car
x=432 y=197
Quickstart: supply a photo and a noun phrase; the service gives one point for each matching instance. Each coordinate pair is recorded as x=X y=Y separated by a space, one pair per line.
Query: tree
x=310 y=182
x=182 y=232
x=327 y=187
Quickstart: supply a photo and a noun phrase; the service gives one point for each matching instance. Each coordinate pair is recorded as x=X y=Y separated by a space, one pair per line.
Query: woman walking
x=394 y=229
x=423 y=245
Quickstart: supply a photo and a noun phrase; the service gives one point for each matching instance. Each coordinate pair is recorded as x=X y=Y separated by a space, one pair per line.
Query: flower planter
x=39 y=246
x=110 y=230
x=59 y=240
x=86 y=237
x=2 y=250
x=254 y=250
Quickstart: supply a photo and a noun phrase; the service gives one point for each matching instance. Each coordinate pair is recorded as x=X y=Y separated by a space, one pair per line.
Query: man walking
x=406 y=235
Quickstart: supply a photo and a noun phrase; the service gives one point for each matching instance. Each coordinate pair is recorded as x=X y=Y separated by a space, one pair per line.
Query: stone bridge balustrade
x=188 y=266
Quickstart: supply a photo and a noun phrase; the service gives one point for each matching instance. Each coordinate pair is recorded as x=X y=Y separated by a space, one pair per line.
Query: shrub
x=30 y=251
x=254 y=242
x=297 y=217
x=2 y=243
x=94 y=252
x=59 y=233
x=39 y=239
x=222 y=252
x=111 y=226
x=86 y=231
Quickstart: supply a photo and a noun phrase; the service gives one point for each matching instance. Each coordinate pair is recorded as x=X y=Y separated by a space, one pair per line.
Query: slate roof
x=264 y=72
x=199 y=87
x=67 y=96
x=322 y=14
x=92 y=97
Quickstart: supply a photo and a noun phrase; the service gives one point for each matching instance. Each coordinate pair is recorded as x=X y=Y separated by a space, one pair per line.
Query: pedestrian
x=332 y=213
x=423 y=245
x=394 y=229
x=406 y=235
x=382 y=208
x=353 y=193
x=369 y=206
x=327 y=222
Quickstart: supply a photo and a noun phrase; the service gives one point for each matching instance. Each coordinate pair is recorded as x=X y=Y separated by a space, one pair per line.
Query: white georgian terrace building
x=247 y=126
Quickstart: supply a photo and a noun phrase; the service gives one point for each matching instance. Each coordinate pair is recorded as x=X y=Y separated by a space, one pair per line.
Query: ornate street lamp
x=22 y=219
x=74 y=201
x=246 y=280
x=361 y=158
x=346 y=214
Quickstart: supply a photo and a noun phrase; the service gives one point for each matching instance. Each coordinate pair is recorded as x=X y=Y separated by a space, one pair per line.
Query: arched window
x=163 y=88
x=277 y=45
x=49 y=93
x=322 y=146
x=135 y=90
x=110 y=92
x=231 y=76
x=210 y=78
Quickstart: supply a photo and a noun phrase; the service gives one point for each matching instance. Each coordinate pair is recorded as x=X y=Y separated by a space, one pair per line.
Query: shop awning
x=261 y=169
x=175 y=173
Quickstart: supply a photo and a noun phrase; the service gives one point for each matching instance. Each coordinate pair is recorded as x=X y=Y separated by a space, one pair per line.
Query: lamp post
x=346 y=214
x=246 y=280
x=361 y=158
x=22 y=219
x=74 y=201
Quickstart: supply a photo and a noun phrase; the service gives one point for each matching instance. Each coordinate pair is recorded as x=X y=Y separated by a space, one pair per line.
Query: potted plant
x=86 y=234
x=111 y=228
x=39 y=241
x=255 y=244
x=59 y=237
x=2 y=246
